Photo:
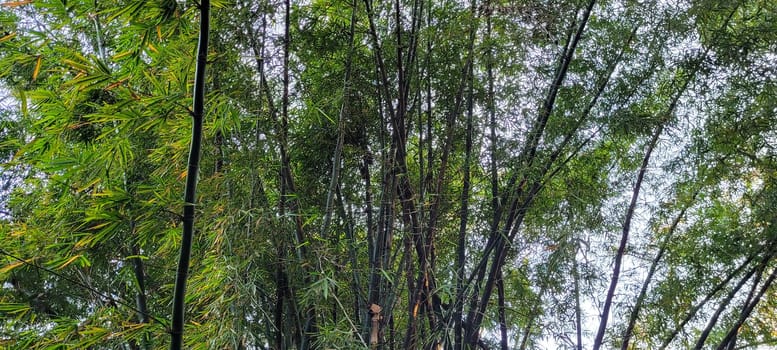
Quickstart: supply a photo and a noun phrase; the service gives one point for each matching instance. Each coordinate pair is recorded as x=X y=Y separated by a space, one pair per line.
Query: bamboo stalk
x=190 y=198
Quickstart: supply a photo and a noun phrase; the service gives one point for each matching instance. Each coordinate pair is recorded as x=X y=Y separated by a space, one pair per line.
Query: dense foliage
x=411 y=174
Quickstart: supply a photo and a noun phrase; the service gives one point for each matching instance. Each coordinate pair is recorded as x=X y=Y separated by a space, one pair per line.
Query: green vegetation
x=411 y=174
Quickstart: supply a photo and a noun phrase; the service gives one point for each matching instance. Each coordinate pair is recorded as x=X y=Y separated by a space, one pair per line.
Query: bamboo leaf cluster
x=406 y=174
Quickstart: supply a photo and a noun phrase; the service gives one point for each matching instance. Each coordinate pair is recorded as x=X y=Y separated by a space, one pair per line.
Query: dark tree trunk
x=500 y=290
x=140 y=296
x=179 y=295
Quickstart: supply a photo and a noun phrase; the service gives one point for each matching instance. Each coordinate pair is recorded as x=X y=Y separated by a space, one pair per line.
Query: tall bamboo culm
x=176 y=331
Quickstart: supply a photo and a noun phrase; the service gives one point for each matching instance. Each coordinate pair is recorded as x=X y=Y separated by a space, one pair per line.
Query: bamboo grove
x=407 y=174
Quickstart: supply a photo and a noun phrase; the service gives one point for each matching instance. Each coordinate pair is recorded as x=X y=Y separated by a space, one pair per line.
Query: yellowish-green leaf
x=87 y=80
x=84 y=242
x=100 y=225
x=17 y=3
x=94 y=331
x=23 y=100
x=326 y=115
x=221 y=3
x=7 y=37
x=7 y=268
x=37 y=68
x=14 y=308
x=76 y=65
x=88 y=185
x=122 y=54
x=69 y=261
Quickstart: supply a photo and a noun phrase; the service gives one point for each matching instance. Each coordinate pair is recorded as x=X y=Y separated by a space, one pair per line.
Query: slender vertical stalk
x=465 y=193
x=534 y=313
x=364 y=169
x=629 y=332
x=336 y=159
x=140 y=297
x=287 y=182
x=257 y=188
x=625 y=239
x=190 y=197
x=380 y=235
x=491 y=108
x=280 y=297
x=334 y=181
x=360 y=303
x=500 y=291
x=578 y=309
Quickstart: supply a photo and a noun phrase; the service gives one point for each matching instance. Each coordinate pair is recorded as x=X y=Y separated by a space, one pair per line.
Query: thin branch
x=627 y=334
x=692 y=312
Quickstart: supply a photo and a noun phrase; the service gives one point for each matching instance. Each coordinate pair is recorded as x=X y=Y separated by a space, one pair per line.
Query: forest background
x=408 y=174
